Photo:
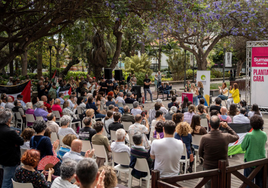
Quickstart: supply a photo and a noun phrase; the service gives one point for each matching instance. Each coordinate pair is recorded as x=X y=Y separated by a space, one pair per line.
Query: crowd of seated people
x=159 y=135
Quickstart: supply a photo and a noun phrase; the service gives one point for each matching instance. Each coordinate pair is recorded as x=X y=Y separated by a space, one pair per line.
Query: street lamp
x=224 y=49
x=50 y=43
x=185 y=69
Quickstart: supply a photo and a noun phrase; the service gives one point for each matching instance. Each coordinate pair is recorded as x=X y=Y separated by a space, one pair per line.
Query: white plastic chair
x=186 y=161
x=19 y=120
x=21 y=185
x=121 y=158
x=74 y=123
x=131 y=143
x=29 y=118
x=57 y=114
x=54 y=137
x=113 y=135
x=126 y=125
x=86 y=145
x=204 y=123
x=79 y=110
x=142 y=166
x=61 y=138
x=21 y=111
x=100 y=152
x=39 y=118
x=196 y=141
x=22 y=151
x=129 y=105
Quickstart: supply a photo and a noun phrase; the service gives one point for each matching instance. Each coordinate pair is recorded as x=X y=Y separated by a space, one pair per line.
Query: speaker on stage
x=108 y=73
x=136 y=90
x=118 y=75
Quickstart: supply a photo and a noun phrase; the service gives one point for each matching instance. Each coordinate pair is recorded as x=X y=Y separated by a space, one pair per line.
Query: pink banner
x=259 y=57
x=186 y=94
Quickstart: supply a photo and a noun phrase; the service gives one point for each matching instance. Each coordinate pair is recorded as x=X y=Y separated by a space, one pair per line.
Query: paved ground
x=235 y=160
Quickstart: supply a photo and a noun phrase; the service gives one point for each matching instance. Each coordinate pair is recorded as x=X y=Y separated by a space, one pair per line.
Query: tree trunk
x=11 y=66
x=99 y=54
x=118 y=34
x=24 y=63
x=89 y=60
x=40 y=59
x=70 y=64
x=142 y=48
x=239 y=67
x=58 y=51
x=201 y=61
x=159 y=59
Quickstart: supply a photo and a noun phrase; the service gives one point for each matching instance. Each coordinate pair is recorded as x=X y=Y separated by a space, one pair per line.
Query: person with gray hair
x=87 y=174
x=57 y=107
x=119 y=146
x=29 y=110
x=172 y=111
x=136 y=108
x=10 y=143
x=51 y=123
x=64 y=129
x=39 y=111
x=120 y=98
x=127 y=116
x=67 y=174
x=9 y=103
x=130 y=98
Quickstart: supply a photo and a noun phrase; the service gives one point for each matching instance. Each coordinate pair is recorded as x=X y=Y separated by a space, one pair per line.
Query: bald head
x=215 y=122
x=44 y=98
x=57 y=101
x=223 y=110
x=76 y=145
x=121 y=94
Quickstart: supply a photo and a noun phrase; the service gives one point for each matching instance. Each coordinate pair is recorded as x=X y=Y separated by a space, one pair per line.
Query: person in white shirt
x=9 y=103
x=67 y=174
x=143 y=129
x=72 y=103
x=254 y=110
x=75 y=153
x=241 y=118
x=167 y=152
x=119 y=145
x=136 y=109
x=120 y=98
x=51 y=123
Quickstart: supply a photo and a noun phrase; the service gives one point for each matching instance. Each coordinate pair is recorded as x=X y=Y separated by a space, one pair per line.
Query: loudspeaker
x=118 y=75
x=136 y=90
x=108 y=73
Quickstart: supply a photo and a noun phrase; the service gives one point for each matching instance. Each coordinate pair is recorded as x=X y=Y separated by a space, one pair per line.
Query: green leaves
x=136 y=64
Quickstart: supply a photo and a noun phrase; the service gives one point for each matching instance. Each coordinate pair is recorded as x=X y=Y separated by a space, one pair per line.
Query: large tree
x=23 y=22
x=199 y=25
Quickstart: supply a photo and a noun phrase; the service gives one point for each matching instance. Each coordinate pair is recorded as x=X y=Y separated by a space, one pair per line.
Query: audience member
x=29 y=110
x=167 y=152
x=136 y=108
x=223 y=115
x=87 y=174
x=64 y=129
x=51 y=123
x=57 y=107
x=20 y=98
x=233 y=110
x=27 y=173
x=254 y=110
x=110 y=179
x=177 y=118
x=158 y=117
x=173 y=102
x=61 y=96
x=138 y=127
x=10 y=143
x=138 y=151
x=27 y=135
x=119 y=145
x=67 y=174
x=9 y=103
x=214 y=146
x=87 y=132
x=172 y=111
x=47 y=105
x=196 y=126
x=120 y=98
x=127 y=116
x=18 y=108
x=116 y=124
x=130 y=98
x=184 y=105
x=99 y=139
x=217 y=105
x=90 y=104
x=183 y=133
x=107 y=121
x=39 y=141
x=241 y=118
x=75 y=153
x=202 y=111
x=158 y=133
x=254 y=145
x=188 y=115
x=66 y=147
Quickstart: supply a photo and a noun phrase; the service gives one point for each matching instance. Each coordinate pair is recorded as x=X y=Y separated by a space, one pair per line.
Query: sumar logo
x=203 y=77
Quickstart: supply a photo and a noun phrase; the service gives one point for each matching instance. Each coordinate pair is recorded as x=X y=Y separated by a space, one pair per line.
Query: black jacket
x=114 y=126
x=10 y=143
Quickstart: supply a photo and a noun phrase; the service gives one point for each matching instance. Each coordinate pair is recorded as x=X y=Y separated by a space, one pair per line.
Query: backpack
x=35 y=144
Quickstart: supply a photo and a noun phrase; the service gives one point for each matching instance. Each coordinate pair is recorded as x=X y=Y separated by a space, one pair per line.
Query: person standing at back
x=147 y=82
x=10 y=143
x=214 y=145
x=167 y=152
x=254 y=145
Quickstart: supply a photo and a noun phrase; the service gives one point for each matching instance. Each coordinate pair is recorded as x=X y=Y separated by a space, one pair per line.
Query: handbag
x=192 y=151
